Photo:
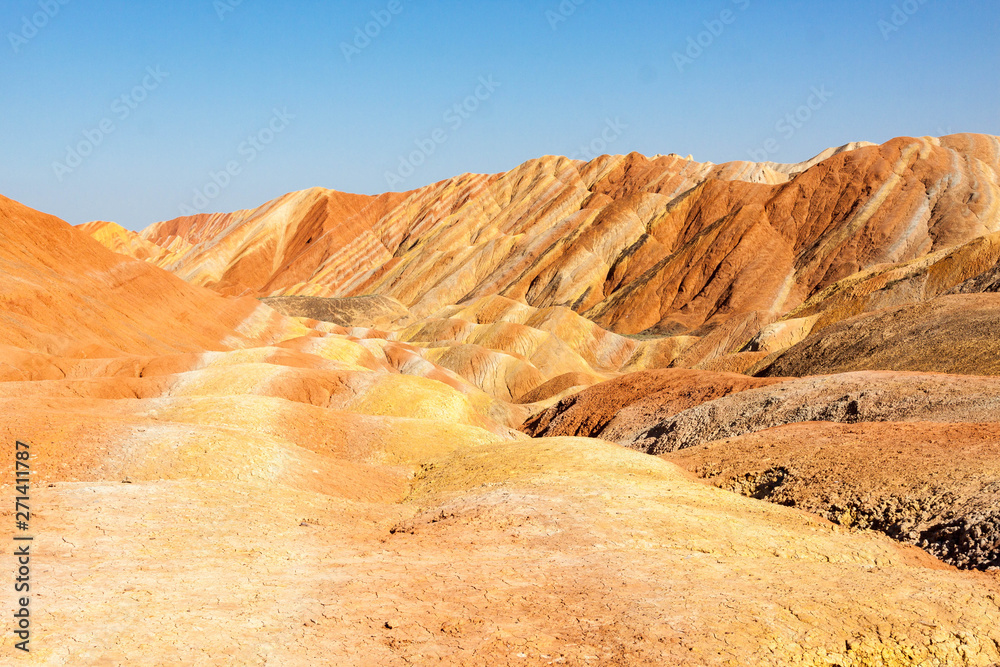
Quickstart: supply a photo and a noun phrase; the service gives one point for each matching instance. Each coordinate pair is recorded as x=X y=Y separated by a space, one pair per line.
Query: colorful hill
x=297 y=430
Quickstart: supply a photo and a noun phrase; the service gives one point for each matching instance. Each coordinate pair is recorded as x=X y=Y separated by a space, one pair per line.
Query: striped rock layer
x=635 y=244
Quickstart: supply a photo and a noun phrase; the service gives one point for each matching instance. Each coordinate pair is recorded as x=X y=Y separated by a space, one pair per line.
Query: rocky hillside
x=661 y=245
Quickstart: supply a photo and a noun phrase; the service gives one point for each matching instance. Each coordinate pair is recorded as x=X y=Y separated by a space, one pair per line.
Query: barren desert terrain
x=631 y=411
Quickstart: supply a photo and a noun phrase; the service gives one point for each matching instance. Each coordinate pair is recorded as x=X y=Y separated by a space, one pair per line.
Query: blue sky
x=140 y=111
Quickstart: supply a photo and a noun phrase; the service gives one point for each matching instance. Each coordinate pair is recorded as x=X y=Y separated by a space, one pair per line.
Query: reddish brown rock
x=621 y=408
x=871 y=396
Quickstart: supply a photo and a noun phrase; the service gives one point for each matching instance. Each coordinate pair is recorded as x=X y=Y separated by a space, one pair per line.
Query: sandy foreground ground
x=553 y=551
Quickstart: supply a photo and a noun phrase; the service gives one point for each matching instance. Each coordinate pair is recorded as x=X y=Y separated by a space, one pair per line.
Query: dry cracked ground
x=628 y=412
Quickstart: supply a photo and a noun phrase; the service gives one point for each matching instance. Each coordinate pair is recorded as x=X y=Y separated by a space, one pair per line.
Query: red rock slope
x=64 y=293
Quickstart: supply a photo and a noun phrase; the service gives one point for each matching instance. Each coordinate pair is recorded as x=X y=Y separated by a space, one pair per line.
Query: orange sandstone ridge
x=630 y=242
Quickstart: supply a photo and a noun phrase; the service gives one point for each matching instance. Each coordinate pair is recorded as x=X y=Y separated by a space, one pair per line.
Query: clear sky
x=137 y=111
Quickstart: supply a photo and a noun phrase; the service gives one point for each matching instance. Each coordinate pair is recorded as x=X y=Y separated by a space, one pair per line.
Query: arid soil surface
x=933 y=485
x=914 y=456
